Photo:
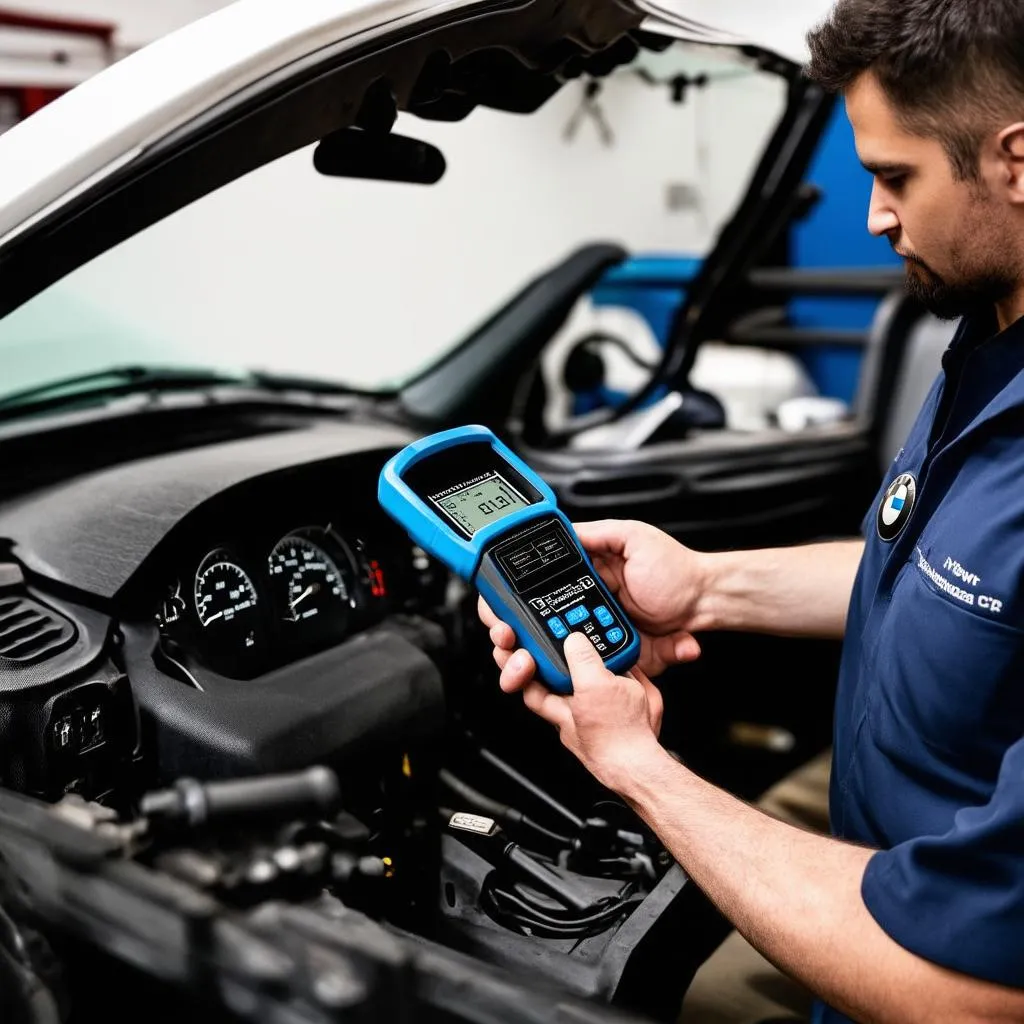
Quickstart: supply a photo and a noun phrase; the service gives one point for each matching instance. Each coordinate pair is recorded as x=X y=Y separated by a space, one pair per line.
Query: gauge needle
x=213 y=618
x=301 y=597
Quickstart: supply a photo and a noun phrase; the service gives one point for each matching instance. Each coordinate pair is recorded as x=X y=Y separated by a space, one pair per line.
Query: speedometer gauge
x=313 y=583
x=226 y=604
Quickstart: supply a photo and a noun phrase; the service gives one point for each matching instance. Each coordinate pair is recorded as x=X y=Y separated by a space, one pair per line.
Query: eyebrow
x=885 y=168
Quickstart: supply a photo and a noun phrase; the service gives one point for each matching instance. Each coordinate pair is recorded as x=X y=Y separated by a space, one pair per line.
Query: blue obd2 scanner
x=466 y=499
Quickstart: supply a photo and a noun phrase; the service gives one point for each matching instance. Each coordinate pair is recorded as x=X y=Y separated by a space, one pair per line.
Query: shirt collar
x=984 y=371
x=981 y=331
x=974 y=330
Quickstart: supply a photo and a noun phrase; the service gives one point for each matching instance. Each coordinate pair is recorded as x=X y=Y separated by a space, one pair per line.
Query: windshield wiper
x=311 y=385
x=118 y=381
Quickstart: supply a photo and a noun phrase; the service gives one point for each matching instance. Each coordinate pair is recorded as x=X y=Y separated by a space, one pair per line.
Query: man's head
x=935 y=92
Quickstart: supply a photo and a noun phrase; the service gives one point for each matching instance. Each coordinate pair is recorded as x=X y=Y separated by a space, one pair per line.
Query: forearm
x=796 y=897
x=797 y=591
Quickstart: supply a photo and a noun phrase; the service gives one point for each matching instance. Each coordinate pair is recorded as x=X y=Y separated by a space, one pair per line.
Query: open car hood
x=193 y=110
x=778 y=27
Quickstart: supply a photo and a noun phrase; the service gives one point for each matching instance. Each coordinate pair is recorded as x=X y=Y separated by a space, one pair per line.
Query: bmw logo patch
x=897 y=504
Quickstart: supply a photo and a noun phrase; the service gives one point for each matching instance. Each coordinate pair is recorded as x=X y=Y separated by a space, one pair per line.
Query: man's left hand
x=607 y=721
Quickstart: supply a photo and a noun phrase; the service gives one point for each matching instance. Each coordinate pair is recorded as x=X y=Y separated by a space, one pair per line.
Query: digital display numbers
x=484 y=500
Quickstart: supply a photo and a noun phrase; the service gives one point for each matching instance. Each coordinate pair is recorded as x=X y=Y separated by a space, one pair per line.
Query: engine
x=255 y=761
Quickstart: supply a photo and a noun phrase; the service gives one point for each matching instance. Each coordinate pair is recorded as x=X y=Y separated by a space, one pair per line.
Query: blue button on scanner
x=603 y=616
x=613 y=636
x=558 y=627
x=577 y=614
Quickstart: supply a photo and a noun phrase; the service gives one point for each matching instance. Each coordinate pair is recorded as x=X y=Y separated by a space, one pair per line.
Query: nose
x=882 y=219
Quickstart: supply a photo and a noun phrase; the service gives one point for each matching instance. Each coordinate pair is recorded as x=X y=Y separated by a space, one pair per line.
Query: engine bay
x=228 y=664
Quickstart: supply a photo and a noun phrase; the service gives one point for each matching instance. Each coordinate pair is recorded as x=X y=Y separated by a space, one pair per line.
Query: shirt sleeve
x=958 y=899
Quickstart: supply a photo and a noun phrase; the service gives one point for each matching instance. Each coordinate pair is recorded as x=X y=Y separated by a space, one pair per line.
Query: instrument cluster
x=248 y=607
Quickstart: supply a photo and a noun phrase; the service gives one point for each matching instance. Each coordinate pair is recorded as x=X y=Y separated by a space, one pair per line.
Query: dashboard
x=251 y=596
x=260 y=595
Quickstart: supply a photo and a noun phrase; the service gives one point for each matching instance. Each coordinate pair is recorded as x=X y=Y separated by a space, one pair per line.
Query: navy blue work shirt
x=929 y=730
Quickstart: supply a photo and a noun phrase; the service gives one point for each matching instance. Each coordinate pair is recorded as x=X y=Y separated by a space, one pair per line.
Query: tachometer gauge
x=226 y=604
x=312 y=577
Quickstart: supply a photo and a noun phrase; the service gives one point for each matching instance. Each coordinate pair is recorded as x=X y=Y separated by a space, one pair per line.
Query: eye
x=896 y=182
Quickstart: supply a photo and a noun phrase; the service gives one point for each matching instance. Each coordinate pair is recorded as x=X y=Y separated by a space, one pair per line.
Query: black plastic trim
x=459 y=387
x=374 y=691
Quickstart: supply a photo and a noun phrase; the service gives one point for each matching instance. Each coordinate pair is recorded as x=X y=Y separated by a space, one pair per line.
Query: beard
x=949 y=300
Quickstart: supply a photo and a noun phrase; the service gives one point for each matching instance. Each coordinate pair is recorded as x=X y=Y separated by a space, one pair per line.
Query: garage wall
x=138 y=21
x=365 y=281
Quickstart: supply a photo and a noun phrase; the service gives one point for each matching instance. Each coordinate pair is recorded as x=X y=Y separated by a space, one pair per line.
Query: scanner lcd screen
x=474 y=504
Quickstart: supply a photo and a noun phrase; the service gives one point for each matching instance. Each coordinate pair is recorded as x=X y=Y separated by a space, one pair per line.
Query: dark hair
x=953 y=70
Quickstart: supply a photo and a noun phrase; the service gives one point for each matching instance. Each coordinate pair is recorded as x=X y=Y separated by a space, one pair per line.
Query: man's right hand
x=657 y=581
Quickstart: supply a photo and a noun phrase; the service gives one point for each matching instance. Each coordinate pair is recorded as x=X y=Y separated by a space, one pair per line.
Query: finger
x=609 y=571
x=549 y=706
x=605 y=537
x=676 y=648
x=502 y=636
x=487 y=617
x=687 y=647
x=655 y=705
x=501 y=656
x=661 y=652
x=656 y=655
x=585 y=665
x=517 y=671
x=500 y=632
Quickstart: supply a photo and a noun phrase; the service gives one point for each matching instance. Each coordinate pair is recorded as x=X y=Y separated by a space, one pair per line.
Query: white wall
x=139 y=21
x=365 y=281
x=51 y=58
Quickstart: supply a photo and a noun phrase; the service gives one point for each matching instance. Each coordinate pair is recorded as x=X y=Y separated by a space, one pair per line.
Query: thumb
x=605 y=537
x=585 y=665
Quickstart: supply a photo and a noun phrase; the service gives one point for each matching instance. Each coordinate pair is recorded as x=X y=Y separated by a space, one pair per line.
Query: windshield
x=366 y=283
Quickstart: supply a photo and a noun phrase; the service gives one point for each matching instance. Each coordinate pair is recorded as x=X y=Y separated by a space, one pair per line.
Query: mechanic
x=913 y=909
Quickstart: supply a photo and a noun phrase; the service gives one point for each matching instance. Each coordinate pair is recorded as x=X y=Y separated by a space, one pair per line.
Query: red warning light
x=377 y=585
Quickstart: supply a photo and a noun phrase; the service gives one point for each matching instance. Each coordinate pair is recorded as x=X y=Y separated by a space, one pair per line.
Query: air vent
x=30 y=632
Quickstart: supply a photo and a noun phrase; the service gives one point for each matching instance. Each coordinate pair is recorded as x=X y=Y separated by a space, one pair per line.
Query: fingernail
x=516 y=663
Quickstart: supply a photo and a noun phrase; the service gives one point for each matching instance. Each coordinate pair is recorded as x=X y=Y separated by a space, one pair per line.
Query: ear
x=1011 y=157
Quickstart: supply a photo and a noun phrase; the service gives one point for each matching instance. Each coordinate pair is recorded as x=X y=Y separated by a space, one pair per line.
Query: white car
x=240 y=269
